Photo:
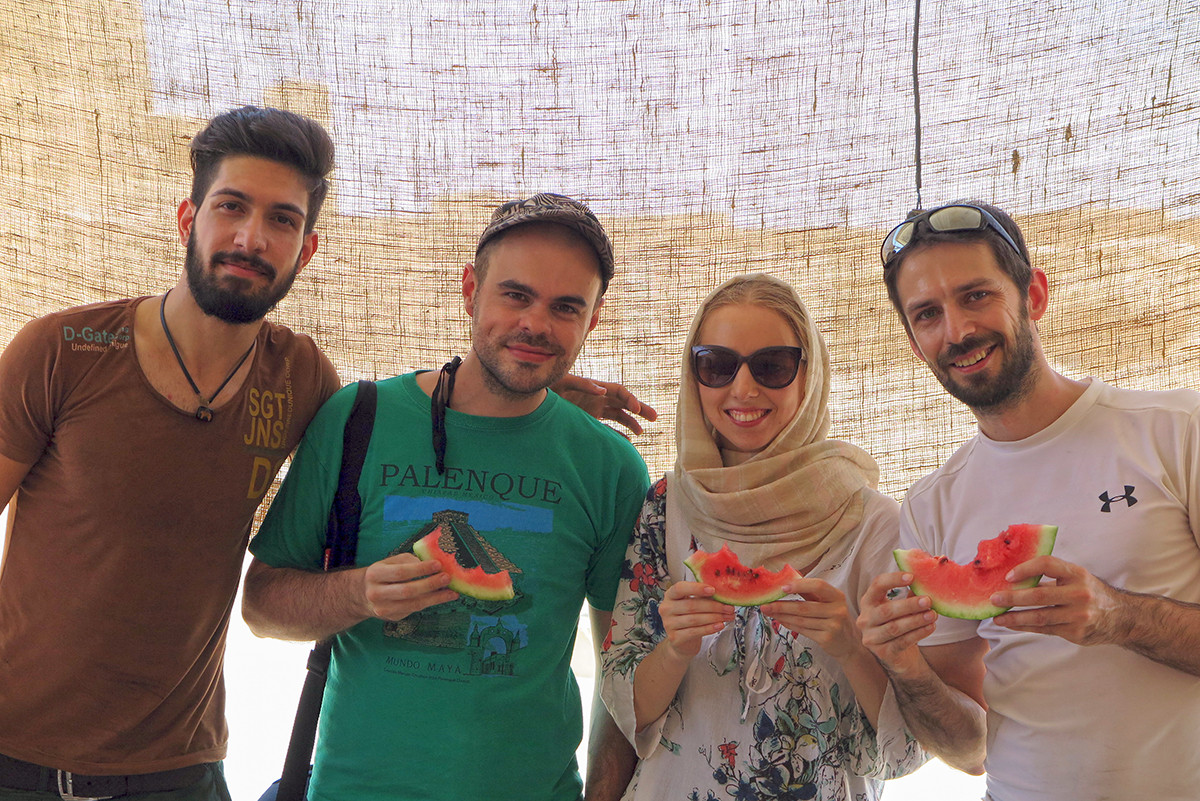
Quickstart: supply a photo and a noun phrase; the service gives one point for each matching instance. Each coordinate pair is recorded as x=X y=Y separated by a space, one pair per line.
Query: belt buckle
x=65 y=785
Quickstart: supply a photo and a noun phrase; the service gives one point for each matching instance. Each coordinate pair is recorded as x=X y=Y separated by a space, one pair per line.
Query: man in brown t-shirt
x=140 y=436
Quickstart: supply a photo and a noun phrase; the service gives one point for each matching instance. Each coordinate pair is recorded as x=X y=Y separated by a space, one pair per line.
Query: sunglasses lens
x=775 y=368
x=715 y=367
x=900 y=236
x=956 y=218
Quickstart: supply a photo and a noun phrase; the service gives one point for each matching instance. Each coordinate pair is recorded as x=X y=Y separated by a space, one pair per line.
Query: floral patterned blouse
x=762 y=713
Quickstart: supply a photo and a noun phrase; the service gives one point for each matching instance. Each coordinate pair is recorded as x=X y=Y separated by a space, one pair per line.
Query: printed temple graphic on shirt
x=487 y=634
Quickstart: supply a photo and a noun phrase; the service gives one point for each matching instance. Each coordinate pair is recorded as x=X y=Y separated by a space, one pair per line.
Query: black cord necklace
x=203 y=412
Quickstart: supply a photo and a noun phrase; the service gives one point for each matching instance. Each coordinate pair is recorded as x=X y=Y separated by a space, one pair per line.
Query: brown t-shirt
x=128 y=538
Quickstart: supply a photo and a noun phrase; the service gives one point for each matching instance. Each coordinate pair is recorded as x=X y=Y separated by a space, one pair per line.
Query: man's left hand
x=1074 y=605
x=605 y=400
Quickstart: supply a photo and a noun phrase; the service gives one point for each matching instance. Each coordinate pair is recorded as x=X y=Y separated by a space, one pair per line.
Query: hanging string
x=916 y=101
x=438 y=404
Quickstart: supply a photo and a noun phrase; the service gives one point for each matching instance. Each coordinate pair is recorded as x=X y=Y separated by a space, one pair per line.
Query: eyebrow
x=917 y=305
x=577 y=300
x=291 y=207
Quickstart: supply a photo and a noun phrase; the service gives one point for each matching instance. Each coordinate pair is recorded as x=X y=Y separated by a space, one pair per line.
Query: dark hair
x=550 y=227
x=1017 y=267
x=268 y=133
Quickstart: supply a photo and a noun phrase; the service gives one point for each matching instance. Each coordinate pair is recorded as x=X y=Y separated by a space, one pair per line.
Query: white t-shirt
x=1119 y=474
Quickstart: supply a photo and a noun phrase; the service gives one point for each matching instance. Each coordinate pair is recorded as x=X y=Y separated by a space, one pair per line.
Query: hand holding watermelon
x=891 y=627
x=395 y=587
x=1076 y=606
x=689 y=613
x=823 y=616
x=966 y=591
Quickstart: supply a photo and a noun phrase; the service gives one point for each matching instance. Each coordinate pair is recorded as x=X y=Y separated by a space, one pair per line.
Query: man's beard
x=232 y=299
x=1014 y=381
x=520 y=381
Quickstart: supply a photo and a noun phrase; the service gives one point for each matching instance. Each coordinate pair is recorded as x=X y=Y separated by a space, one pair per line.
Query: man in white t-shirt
x=1090 y=689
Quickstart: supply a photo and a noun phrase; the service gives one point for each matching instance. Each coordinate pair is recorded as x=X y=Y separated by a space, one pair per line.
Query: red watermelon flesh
x=472 y=581
x=965 y=591
x=736 y=584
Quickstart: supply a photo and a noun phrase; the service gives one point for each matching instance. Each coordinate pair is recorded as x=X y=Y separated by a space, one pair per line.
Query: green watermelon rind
x=459 y=575
x=980 y=611
x=724 y=594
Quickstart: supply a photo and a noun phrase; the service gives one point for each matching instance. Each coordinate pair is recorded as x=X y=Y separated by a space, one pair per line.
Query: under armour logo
x=1108 y=502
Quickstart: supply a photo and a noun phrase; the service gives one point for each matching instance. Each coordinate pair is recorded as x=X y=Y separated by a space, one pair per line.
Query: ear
x=912 y=343
x=916 y=349
x=185 y=215
x=1039 y=294
x=469 y=286
x=595 y=315
x=307 y=250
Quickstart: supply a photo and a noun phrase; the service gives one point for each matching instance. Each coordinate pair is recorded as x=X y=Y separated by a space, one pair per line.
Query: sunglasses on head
x=773 y=368
x=945 y=219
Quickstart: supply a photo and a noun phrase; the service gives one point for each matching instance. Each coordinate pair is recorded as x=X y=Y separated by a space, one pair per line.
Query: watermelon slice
x=472 y=581
x=736 y=584
x=964 y=591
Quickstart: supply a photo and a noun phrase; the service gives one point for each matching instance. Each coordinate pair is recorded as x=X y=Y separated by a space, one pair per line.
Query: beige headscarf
x=790 y=502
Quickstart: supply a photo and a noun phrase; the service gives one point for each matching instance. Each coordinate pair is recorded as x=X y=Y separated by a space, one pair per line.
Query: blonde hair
x=758 y=289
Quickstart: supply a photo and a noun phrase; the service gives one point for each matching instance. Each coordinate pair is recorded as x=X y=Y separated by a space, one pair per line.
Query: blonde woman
x=774 y=702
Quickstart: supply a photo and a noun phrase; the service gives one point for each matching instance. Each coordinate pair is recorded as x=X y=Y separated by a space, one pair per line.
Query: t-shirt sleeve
x=293 y=532
x=330 y=382
x=948 y=629
x=604 y=572
x=878 y=536
x=27 y=392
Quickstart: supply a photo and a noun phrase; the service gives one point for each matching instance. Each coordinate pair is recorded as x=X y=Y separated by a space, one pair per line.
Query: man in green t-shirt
x=433 y=695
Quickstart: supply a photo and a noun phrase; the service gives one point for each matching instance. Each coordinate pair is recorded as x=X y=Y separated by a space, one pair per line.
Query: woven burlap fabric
x=711 y=139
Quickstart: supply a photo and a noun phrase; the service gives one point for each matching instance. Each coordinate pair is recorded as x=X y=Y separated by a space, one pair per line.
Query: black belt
x=18 y=775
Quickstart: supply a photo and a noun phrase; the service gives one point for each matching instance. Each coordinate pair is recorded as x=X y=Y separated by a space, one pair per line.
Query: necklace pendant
x=204 y=414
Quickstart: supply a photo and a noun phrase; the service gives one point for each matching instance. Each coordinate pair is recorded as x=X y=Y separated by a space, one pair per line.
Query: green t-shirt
x=470 y=699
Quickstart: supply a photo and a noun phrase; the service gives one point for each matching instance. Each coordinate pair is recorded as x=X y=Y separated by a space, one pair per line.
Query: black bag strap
x=341 y=532
x=341 y=545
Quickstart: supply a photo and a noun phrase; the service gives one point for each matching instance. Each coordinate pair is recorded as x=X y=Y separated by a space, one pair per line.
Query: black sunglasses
x=943 y=220
x=773 y=368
